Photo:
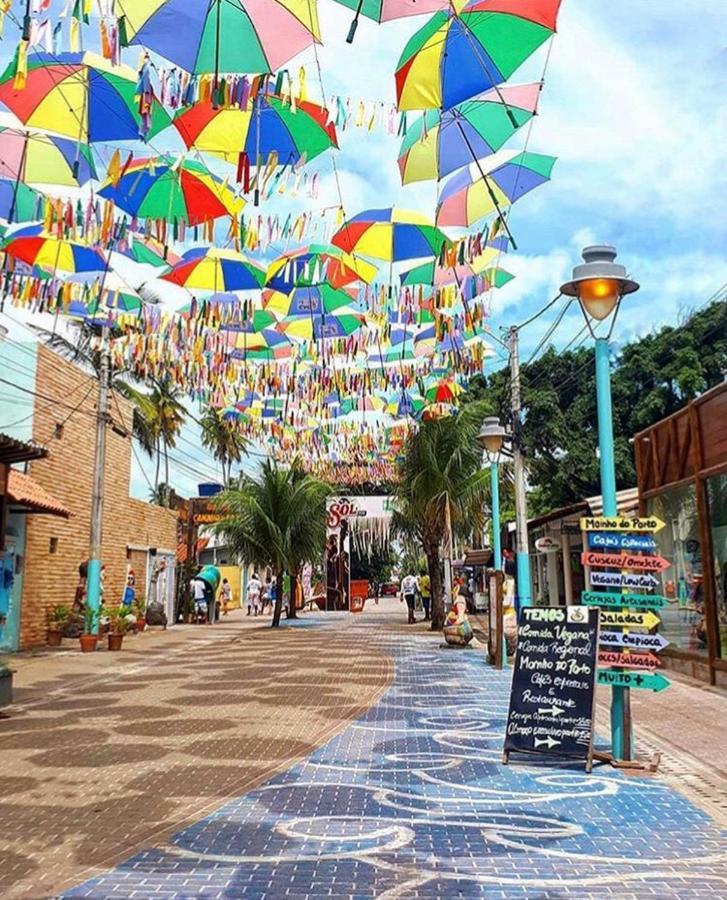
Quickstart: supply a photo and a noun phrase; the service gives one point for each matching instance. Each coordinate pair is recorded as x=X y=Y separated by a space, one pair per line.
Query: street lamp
x=492 y=437
x=599 y=283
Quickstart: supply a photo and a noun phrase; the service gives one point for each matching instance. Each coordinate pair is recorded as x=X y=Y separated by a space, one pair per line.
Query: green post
x=495 y=490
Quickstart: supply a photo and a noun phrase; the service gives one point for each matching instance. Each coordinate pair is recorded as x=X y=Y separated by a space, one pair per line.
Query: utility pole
x=522 y=557
x=93 y=597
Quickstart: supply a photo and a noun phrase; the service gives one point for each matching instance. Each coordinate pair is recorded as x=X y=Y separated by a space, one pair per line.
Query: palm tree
x=276 y=519
x=224 y=439
x=169 y=415
x=441 y=482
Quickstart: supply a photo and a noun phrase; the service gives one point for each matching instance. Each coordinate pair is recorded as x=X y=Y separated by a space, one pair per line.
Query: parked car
x=389 y=589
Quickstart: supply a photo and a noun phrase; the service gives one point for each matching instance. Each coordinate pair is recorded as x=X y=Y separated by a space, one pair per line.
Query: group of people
x=207 y=606
x=261 y=597
x=413 y=588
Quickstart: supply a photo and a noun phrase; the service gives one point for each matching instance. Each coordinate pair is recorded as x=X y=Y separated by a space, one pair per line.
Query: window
x=717 y=501
x=53 y=545
x=683 y=618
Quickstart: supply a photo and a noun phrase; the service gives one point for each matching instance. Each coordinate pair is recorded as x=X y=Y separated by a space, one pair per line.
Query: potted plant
x=57 y=618
x=118 y=626
x=139 y=609
x=88 y=639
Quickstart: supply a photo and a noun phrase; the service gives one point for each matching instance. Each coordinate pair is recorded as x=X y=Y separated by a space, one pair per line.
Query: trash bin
x=359 y=593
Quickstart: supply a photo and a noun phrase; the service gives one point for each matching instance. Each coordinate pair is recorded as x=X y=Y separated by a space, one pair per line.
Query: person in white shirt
x=409 y=593
x=200 y=600
x=254 y=591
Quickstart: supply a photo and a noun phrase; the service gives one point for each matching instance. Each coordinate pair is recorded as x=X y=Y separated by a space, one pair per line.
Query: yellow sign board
x=622 y=523
x=625 y=619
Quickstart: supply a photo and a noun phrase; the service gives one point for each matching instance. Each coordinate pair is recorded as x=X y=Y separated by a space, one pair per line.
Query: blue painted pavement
x=412 y=800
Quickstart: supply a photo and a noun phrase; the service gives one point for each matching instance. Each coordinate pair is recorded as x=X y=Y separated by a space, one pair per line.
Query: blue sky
x=633 y=109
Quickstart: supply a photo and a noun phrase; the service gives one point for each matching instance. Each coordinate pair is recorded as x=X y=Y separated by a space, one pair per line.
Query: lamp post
x=599 y=283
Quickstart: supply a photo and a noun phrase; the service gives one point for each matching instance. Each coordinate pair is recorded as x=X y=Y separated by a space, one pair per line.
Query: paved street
x=240 y=763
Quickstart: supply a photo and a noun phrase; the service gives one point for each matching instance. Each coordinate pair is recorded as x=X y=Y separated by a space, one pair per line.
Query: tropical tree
x=276 y=518
x=442 y=485
x=225 y=441
x=169 y=415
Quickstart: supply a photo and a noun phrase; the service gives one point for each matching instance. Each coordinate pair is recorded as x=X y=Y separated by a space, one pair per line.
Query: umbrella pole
x=354 y=25
x=487 y=185
x=217 y=52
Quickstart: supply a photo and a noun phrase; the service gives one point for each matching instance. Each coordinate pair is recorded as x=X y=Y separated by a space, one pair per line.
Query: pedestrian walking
x=254 y=591
x=200 y=601
x=225 y=596
x=267 y=594
x=409 y=593
x=425 y=592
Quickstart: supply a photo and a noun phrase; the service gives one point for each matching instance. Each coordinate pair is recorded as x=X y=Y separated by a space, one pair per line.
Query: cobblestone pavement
x=411 y=800
x=106 y=753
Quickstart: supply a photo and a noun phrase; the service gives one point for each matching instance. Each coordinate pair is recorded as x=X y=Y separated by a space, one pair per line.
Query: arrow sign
x=549 y=742
x=606 y=598
x=634 y=640
x=644 y=661
x=626 y=619
x=655 y=682
x=624 y=561
x=554 y=711
x=602 y=540
x=621 y=523
x=644 y=582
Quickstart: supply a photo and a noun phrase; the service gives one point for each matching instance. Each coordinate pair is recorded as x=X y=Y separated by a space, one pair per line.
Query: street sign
x=633 y=640
x=552 y=693
x=546 y=545
x=608 y=598
x=624 y=561
x=644 y=661
x=625 y=619
x=603 y=540
x=655 y=682
x=621 y=523
x=619 y=580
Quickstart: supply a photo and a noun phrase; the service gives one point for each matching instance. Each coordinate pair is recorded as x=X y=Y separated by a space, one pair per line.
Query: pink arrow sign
x=643 y=661
x=624 y=561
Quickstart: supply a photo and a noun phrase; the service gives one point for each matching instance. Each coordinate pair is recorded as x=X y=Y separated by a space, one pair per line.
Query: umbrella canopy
x=163 y=187
x=487 y=187
x=40 y=158
x=53 y=254
x=269 y=125
x=459 y=54
x=268 y=343
x=221 y=35
x=18 y=202
x=438 y=143
x=215 y=269
x=435 y=275
x=82 y=96
x=342 y=323
x=311 y=301
x=316 y=263
x=106 y=290
x=386 y=10
x=391 y=235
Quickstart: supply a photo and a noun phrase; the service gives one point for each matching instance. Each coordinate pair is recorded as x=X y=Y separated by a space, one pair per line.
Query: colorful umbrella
x=40 y=158
x=316 y=263
x=267 y=125
x=82 y=96
x=391 y=235
x=342 y=323
x=459 y=54
x=146 y=249
x=265 y=344
x=53 y=254
x=435 y=275
x=221 y=35
x=215 y=269
x=438 y=143
x=489 y=186
x=311 y=301
x=18 y=202
x=177 y=190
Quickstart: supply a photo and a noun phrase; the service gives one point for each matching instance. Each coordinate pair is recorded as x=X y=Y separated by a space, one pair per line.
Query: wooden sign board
x=553 y=684
x=630 y=581
x=618 y=601
x=603 y=540
x=650 y=524
x=624 y=561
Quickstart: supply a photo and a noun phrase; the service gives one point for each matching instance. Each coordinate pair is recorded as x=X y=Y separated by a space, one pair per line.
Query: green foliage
x=375 y=568
x=118 y=623
x=90 y=619
x=58 y=615
x=224 y=440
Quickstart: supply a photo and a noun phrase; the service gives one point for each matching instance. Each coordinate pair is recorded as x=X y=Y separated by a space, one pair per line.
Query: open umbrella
x=146 y=249
x=18 y=202
x=268 y=125
x=459 y=54
x=215 y=269
x=312 y=300
x=316 y=263
x=40 y=158
x=435 y=275
x=391 y=235
x=180 y=190
x=221 y=35
x=489 y=186
x=82 y=96
x=438 y=143
x=52 y=254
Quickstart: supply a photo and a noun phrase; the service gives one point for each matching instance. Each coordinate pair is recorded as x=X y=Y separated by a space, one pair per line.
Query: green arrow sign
x=612 y=678
x=607 y=598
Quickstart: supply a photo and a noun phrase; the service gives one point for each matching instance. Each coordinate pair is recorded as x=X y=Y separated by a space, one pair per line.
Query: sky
x=631 y=106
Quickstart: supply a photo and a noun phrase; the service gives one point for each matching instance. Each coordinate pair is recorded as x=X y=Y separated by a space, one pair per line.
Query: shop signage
x=644 y=661
x=625 y=619
x=624 y=561
x=619 y=580
x=643 y=601
x=634 y=641
x=551 y=699
x=546 y=545
x=602 y=540
x=655 y=682
x=621 y=523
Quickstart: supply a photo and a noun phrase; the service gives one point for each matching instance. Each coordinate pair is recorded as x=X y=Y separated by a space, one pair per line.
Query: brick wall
x=67 y=474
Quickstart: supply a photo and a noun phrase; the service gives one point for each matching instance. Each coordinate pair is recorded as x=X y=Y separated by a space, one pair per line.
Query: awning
x=23 y=491
x=14 y=451
x=477 y=557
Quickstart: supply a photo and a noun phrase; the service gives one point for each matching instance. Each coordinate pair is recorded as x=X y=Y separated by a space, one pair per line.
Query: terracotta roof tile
x=23 y=491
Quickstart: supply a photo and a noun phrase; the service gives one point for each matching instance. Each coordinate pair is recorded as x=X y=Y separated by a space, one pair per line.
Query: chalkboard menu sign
x=552 y=695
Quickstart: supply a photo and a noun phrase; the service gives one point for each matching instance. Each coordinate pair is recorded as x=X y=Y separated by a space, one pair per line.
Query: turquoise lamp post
x=599 y=284
x=492 y=437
